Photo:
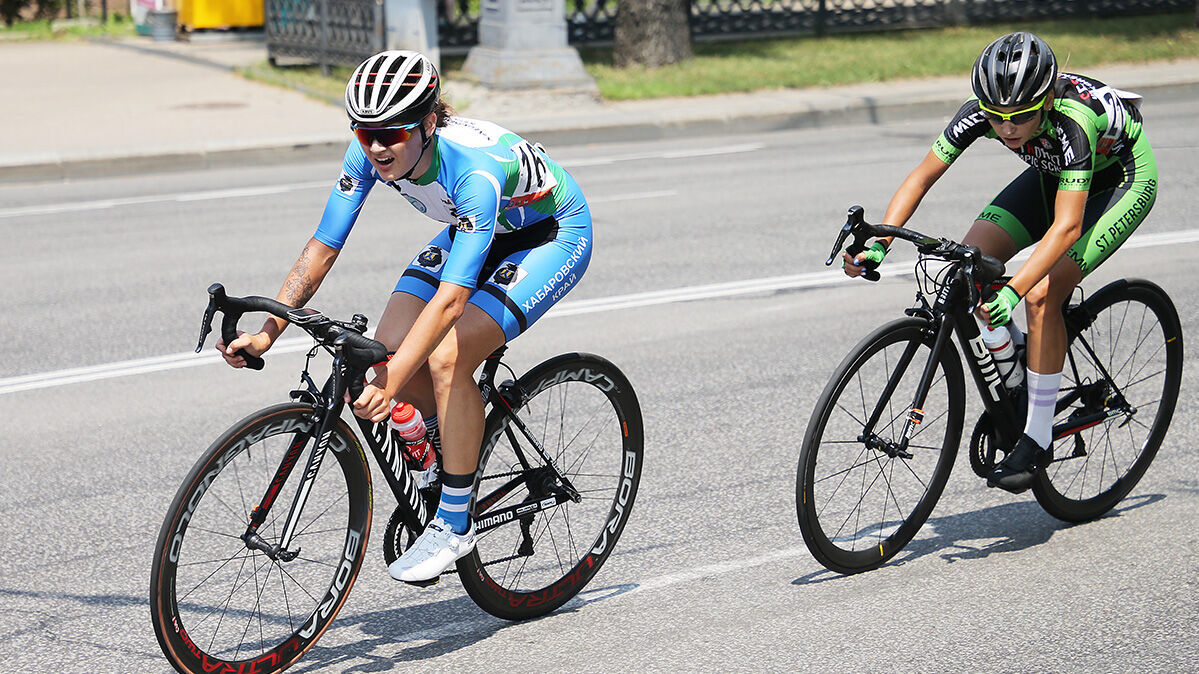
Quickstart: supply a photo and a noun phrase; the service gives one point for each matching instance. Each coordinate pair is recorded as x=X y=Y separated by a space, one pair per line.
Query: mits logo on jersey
x=347 y=184
x=508 y=275
x=431 y=258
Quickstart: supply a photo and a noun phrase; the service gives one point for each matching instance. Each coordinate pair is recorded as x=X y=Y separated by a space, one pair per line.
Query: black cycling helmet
x=392 y=88
x=1014 y=71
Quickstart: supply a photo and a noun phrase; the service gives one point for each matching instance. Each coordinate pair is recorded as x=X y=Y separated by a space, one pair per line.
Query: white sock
x=1042 y=397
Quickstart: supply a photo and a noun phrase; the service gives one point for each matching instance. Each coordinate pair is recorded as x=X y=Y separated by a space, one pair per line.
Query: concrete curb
x=632 y=121
x=51 y=166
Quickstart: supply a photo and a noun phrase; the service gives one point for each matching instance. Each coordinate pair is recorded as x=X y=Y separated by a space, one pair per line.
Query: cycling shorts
x=525 y=273
x=1119 y=199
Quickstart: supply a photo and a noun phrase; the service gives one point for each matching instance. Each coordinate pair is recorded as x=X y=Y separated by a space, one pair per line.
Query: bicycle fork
x=324 y=420
x=280 y=551
x=915 y=415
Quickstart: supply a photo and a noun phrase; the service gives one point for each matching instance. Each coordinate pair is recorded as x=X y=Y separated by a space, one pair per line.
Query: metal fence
x=354 y=27
x=328 y=32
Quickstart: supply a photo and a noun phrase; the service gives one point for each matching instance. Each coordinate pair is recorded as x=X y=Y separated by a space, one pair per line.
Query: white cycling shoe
x=432 y=553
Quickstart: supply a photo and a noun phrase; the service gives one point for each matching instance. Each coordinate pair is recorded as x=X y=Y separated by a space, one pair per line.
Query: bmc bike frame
x=950 y=313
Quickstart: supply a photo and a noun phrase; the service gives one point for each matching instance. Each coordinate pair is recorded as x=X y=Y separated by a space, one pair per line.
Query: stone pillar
x=412 y=24
x=522 y=44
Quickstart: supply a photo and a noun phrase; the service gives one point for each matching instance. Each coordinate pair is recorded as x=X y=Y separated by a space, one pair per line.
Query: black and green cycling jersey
x=1091 y=140
x=1090 y=127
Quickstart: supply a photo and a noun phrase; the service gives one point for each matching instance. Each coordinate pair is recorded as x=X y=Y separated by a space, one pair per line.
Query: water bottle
x=1001 y=345
x=407 y=421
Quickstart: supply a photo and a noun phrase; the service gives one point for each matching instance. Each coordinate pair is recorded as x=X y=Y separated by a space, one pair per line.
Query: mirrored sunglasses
x=386 y=135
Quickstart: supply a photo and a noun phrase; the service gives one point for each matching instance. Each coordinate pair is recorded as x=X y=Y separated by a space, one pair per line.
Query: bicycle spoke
x=244 y=554
x=857 y=506
x=222 y=534
x=845 y=477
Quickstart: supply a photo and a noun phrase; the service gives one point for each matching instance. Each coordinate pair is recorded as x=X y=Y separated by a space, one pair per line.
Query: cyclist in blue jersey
x=1091 y=181
x=518 y=238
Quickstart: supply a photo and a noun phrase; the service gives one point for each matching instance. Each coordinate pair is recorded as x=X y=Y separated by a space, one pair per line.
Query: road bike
x=266 y=535
x=882 y=439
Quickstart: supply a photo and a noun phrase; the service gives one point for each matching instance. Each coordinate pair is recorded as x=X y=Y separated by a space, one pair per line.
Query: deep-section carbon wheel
x=219 y=605
x=543 y=538
x=860 y=498
x=1132 y=333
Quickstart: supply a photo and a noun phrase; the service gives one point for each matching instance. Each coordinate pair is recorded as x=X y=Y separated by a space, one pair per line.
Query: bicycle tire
x=584 y=412
x=833 y=456
x=213 y=600
x=1137 y=335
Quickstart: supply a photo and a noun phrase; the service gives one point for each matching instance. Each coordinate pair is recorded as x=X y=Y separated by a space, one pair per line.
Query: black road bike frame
x=952 y=311
x=353 y=355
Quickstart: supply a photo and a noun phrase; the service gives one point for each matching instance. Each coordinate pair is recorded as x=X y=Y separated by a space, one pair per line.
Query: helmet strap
x=425 y=139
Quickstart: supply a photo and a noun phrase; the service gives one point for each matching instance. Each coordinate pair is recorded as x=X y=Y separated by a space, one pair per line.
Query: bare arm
x=906 y=199
x=305 y=277
x=911 y=192
x=431 y=326
x=1063 y=233
x=302 y=281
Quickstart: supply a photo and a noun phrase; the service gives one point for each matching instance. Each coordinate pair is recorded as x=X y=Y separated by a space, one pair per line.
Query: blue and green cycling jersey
x=484 y=181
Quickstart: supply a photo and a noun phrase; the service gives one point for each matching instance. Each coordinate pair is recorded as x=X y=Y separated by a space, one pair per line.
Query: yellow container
x=195 y=14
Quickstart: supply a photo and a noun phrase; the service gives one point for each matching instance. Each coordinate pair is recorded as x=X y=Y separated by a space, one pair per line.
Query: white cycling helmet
x=1015 y=70
x=392 y=88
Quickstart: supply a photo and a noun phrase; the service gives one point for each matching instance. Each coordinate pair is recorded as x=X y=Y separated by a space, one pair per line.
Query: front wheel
x=545 y=529
x=1130 y=331
x=860 y=494
x=218 y=604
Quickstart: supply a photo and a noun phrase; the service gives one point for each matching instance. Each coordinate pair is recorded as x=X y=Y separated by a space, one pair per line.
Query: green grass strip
x=753 y=65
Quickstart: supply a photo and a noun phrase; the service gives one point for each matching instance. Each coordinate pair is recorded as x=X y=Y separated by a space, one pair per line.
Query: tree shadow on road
x=1009 y=527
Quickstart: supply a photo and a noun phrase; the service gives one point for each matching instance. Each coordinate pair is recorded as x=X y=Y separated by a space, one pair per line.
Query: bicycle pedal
x=1010 y=490
x=423 y=583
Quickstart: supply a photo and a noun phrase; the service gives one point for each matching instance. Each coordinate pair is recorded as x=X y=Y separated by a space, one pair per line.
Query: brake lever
x=853 y=221
x=837 y=246
x=206 y=322
x=975 y=292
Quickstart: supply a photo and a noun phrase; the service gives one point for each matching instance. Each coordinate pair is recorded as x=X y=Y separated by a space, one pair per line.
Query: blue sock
x=455 y=498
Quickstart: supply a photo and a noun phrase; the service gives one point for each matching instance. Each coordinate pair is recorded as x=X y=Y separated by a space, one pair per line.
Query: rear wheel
x=1130 y=330
x=860 y=498
x=549 y=537
x=218 y=604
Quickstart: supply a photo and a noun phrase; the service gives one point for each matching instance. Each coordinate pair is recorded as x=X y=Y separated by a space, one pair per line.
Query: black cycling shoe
x=1016 y=472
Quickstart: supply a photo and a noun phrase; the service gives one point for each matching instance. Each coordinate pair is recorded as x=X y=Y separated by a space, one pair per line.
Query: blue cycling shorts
x=526 y=271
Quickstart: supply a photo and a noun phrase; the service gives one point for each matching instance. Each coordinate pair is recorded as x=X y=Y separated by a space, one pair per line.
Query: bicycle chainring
x=984 y=451
x=397 y=538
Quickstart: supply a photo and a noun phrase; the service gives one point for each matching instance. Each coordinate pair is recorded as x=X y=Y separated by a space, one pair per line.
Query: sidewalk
x=70 y=110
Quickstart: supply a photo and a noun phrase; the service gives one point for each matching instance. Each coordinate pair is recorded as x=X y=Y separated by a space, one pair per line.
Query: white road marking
x=820 y=279
x=675 y=154
x=660 y=194
x=613 y=592
x=103 y=204
x=237 y=193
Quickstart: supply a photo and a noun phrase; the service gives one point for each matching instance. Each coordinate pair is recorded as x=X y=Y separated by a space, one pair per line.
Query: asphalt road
x=711 y=573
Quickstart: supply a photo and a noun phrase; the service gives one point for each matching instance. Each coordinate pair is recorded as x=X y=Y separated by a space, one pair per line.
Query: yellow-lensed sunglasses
x=1017 y=117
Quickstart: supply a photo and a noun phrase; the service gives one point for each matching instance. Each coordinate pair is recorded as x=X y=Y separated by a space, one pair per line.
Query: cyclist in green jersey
x=1091 y=182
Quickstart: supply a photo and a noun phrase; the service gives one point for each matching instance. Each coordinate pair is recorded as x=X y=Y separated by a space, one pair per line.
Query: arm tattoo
x=299 y=287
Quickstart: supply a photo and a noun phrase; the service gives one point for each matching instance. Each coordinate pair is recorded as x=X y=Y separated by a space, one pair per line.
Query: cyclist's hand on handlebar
x=255 y=345
x=867 y=259
x=373 y=404
x=998 y=311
